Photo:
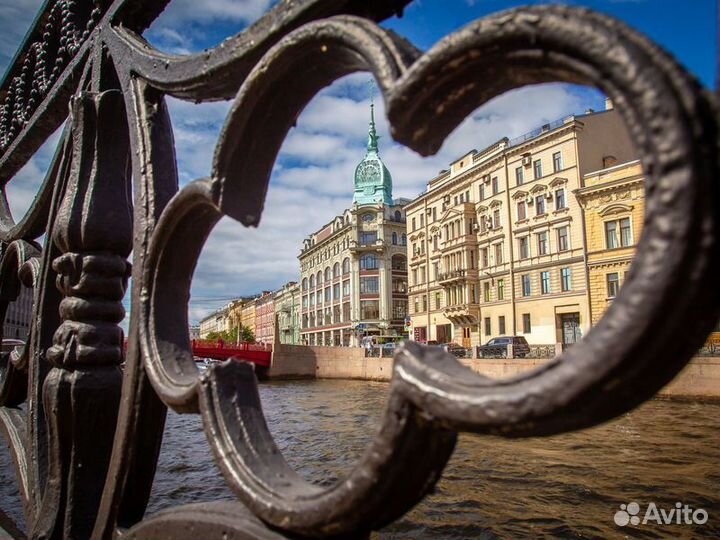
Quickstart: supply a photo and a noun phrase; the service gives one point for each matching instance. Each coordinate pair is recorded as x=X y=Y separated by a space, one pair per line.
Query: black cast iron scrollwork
x=86 y=442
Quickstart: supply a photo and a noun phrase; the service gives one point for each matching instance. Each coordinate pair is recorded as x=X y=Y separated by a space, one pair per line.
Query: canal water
x=567 y=486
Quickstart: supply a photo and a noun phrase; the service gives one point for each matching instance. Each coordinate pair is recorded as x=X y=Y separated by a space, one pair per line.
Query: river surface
x=566 y=486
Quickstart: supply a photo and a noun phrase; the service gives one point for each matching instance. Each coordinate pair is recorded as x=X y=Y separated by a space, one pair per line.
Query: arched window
x=336 y=270
x=398 y=215
x=318 y=278
x=368 y=262
x=394 y=239
x=304 y=284
x=399 y=262
x=346 y=266
x=403 y=240
x=312 y=282
x=368 y=217
x=328 y=274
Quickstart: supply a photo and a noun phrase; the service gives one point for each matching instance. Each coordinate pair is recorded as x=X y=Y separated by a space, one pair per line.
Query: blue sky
x=312 y=179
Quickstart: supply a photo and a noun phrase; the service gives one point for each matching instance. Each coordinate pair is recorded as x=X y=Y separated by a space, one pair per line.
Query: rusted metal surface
x=85 y=444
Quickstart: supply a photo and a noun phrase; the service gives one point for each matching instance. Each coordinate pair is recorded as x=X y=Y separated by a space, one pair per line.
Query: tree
x=230 y=337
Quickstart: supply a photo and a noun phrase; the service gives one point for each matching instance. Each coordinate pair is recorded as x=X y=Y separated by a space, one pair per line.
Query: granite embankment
x=699 y=380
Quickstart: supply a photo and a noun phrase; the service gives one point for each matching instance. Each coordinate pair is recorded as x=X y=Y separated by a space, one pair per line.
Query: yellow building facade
x=613 y=200
x=496 y=245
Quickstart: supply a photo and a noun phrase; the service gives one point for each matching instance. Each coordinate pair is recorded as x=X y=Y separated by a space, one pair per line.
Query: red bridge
x=257 y=353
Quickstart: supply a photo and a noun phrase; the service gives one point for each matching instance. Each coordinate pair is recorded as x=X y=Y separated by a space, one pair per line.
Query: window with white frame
x=526 y=285
x=613 y=284
x=542 y=242
x=563 y=239
x=537 y=169
x=540 y=205
x=545 y=282
x=560 y=202
x=524 y=247
x=565 y=279
x=618 y=233
x=557 y=161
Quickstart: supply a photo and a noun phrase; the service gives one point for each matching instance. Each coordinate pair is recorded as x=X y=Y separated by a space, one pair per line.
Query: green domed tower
x=373 y=183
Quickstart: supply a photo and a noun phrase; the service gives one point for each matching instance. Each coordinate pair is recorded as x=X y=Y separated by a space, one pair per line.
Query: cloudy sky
x=312 y=179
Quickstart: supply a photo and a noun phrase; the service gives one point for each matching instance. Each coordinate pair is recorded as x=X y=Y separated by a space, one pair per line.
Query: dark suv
x=497 y=347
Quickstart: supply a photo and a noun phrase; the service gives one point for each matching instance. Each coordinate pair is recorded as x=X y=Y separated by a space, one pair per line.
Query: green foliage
x=231 y=336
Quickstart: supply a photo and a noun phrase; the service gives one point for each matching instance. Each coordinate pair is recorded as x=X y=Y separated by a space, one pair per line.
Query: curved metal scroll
x=85 y=209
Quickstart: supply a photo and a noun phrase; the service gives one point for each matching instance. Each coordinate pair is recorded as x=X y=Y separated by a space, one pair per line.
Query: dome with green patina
x=373 y=183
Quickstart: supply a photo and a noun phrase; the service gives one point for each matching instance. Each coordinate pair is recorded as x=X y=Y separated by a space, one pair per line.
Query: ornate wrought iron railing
x=85 y=434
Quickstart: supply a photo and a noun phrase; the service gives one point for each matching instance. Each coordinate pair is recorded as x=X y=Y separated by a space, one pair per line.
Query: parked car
x=497 y=347
x=456 y=350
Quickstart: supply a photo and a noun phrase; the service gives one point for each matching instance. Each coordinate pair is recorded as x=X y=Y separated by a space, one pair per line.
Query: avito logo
x=681 y=514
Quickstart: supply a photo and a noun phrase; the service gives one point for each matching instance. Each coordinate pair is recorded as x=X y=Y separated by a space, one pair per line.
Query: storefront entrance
x=570 y=325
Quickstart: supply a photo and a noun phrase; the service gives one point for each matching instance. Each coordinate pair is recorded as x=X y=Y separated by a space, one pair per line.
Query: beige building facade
x=353 y=271
x=613 y=200
x=287 y=313
x=496 y=244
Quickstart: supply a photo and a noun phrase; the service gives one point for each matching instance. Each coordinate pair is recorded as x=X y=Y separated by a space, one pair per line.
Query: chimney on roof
x=608 y=104
x=589 y=111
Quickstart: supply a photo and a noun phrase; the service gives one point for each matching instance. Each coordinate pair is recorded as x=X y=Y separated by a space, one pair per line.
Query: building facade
x=18 y=315
x=247 y=318
x=216 y=322
x=496 y=243
x=265 y=318
x=287 y=313
x=353 y=271
x=613 y=200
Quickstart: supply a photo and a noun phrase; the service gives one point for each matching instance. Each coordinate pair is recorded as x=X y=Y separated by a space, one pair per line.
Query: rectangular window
x=328 y=297
x=526 y=285
x=501 y=324
x=399 y=308
x=346 y=288
x=537 y=169
x=399 y=284
x=414 y=276
x=540 y=205
x=438 y=300
x=413 y=224
x=545 y=282
x=625 y=232
x=524 y=247
x=424 y=303
x=519 y=176
x=501 y=289
x=417 y=304
x=565 y=279
x=521 y=211
x=369 y=285
x=484 y=257
x=467 y=195
x=305 y=301
x=481 y=192
x=312 y=299
x=613 y=284
x=611 y=235
x=422 y=220
x=498 y=253
x=542 y=241
x=336 y=291
x=369 y=309
x=560 y=199
x=526 y=323
x=495 y=185
x=486 y=291
x=557 y=161
x=563 y=243
x=488 y=327
x=346 y=311
x=496 y=219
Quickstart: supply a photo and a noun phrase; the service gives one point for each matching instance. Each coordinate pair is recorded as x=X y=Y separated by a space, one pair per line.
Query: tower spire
x=373 y=137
